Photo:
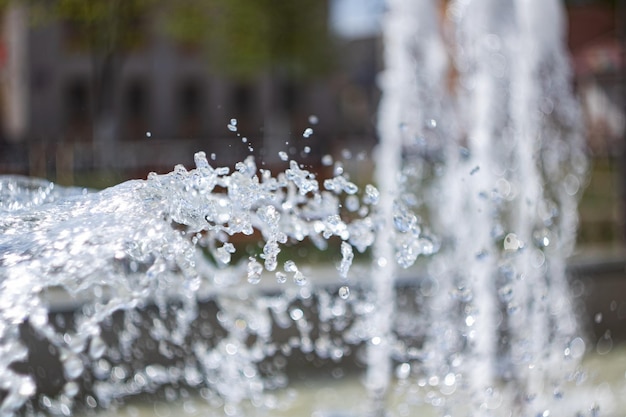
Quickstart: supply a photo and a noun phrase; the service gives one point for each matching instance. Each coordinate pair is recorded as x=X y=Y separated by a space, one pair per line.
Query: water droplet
x=299 y=278
x=338 y=169
x=598 y=318
x=512 y=243
x=371 y=195
x=27 y=388
x=463 y=294
x=71 y=389
x=403 y=371
x=350 y=188
x=231 y=348
x=327 y=160
x=344 y=292
x=542 y=237
x=449 y=379
x=576 y=348
x=296 y=314
x=572 y=184
x=223 y=254
x=538 y=258
x=558 y=394
x=283 y=155
x=290 y=266
x=255 y=269
x=73 y=367
x=97 y=347
x=303 y=179
x=281 y=277
x=232 y=126
x=91 y=402
x=352 y=203
x=426 y=246
x=307 y=132
x=506 y=293
x=336 y=373
x=403 y=219
x=605 y=343
x=307 y=149
x=148 y=134
x=313 y=119
x=347 y=257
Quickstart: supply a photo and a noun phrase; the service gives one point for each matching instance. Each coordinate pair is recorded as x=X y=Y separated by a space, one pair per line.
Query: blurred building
x=598 y=63
x=166 y=105
x=597 y=41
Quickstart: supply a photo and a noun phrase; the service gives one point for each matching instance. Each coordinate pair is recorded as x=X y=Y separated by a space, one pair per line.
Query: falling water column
x=550 y=169
x=415 y=70
x=396 y=76
x=388 y=163
x=483 y=29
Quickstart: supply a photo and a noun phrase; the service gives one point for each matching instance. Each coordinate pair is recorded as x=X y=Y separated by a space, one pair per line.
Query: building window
x=77 y=108
x=243 y=104
x=190 y=103
x=136 y=110
x=289 y=96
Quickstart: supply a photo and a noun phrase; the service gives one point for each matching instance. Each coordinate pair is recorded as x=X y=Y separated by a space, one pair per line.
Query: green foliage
x=103 y=26
x=240 y=37
x=98 y=26
x=245 y=37
x=187 y=21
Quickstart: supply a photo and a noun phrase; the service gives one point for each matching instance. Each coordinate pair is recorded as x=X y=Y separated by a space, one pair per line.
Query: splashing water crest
x=150 y=271
x=158 y=247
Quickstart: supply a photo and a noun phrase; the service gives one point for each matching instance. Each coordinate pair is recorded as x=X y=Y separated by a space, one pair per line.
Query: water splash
x=149 y=267
x=147 y=252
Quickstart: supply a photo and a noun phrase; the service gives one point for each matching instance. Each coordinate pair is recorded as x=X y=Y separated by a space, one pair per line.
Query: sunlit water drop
x=344 y=292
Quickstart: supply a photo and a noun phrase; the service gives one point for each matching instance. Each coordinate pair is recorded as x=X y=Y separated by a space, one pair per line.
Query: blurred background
x=95 y=92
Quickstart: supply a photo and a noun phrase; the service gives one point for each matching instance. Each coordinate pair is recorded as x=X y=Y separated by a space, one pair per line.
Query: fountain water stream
x=480 y=139
x=509 y=136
